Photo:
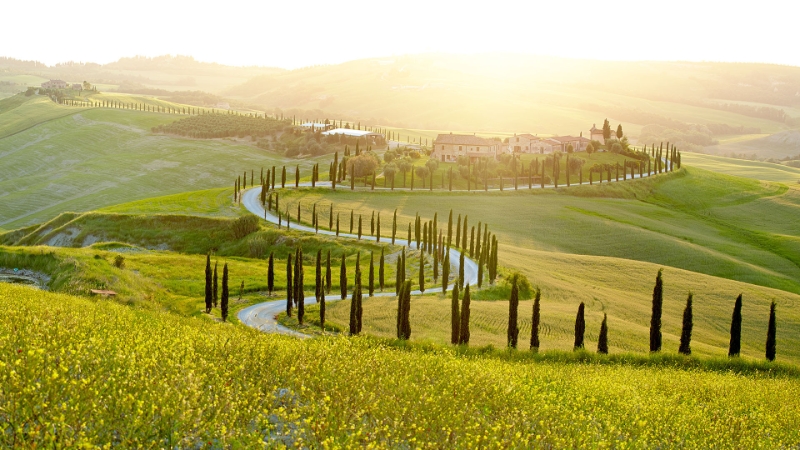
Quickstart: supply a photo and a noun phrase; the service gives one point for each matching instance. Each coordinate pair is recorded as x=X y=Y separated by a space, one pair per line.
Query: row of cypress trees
x=212 y=289
x=735 y=343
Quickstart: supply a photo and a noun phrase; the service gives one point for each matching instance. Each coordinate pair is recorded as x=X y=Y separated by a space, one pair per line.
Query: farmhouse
x=524 y=143
x=368 y=136
x=54 y=84
x=448 y=147
x=77 y=87
x=596 y=134
x=578 y=143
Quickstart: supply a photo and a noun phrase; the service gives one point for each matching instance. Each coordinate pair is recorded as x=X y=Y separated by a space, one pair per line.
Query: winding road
x=262 y=315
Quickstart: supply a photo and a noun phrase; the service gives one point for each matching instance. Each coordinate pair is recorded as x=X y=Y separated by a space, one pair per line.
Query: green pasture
x=743 y=168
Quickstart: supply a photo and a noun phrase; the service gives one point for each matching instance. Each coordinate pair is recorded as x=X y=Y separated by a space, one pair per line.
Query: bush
x=258 y=247
x=119 y=262
x=244 y=225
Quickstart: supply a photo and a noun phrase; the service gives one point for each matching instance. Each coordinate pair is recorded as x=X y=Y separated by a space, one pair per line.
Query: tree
x=422 y=172
x=209 y=286
x=343 y=278
x=655 y=318
x=271 y=273
x=455 y=317
x=606 y=130
x=590 y=149
x=463 y=328
x=289 y=285
x=371 y=285
x=602 y=340
x=299 y=295
x=619 y=131
x=686 y=329
x=328 y=274
x=461 y=281
x=422 y=271
x=735 y=346
x=381 y=279
x=319 y=287
x=513 y=309
x=771 y=331
x=223 y=301
x=446 y=270
x=216 y=285
x=580 y=327
x=535 y=319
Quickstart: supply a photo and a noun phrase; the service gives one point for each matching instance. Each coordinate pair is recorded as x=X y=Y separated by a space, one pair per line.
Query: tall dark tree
x=602 y=340
x=735 y=346
x=606 y=130
x=407 y=310
x=319 y=283
x=371 y=286
x=422 y=271
x=655 y=318
x=455 y=317
x=271 y=273
x=619 y=131
x=513 y=310
x=215 y=297
x=686 y=329
x=223 y=301
x=299 y=282
x=535 y=319
x=209 y=285
x=446 y=270
x=771 y=332
x=580 y=327
x=450 y=229
x=328 y=274
x=463 y=329
x=289 y=286
x=400 y=288
x=381 y=270
x=458 y=231
x=343 y=278
x=461 y=281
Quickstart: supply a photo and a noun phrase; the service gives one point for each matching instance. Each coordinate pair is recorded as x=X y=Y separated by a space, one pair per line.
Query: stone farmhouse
x=54 y=84
x=596 y=134
x=448 y=147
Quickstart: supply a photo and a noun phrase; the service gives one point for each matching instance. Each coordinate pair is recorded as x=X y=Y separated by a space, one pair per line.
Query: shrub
x=119 y=261
x=244 y=225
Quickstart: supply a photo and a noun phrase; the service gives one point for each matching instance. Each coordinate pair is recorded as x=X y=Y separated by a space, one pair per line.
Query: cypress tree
x=359 y=307
x=450 y=229
x=455 y=317
x=354 y=312
x=736 y=329
x=458 y=231
x=337 y=224
x=400 y=308
x=223 y=301
x=602 y=340
x=352 y=219
x=655 y=318
x=686 y=329
x=771 y=331
x=463 y=328
x=216 y=286
x=299 y=295
x=408 y=239
x=381 y=279
x=580 y=327
x=209 y=285
x=359 y=227
x=394 y=226
x=328 y=274
x=513 y=309
x=296 y=176
x=446 y=270
x=378 y=229
x=535 y=319
x=283 y=177
x=407 y=311
x=480 y=271
x=372 y=224
x=271 y=273
x=461 y=281
x=464 y=234
x=422 y=271
x=371 y=285
x=435 y=266
x=343 y=278
x=319 y=286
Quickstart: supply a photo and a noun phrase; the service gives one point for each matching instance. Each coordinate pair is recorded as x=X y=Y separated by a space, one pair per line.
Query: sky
x=292 y=34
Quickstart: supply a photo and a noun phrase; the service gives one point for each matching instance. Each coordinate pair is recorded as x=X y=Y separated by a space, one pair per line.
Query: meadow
x=106 y=157
x=126 y=377
x=757 y=170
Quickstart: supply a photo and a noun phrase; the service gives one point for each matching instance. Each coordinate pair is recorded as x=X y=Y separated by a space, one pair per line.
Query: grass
x=692 y=219
x=178 y=382
x=101 y=157
x=211 y=202
x=743 y=168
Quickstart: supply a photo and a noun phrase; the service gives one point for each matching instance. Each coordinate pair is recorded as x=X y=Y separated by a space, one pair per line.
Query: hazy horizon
x=286 y=36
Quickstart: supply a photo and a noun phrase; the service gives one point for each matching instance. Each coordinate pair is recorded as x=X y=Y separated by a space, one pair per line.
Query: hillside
x=192 y=382
x=517 y=93
x=74 y=159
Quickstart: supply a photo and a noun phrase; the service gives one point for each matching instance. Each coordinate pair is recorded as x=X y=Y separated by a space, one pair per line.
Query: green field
x=742 y=168
x=81 y=160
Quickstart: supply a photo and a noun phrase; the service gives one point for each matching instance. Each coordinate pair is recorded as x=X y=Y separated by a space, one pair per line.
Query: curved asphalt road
x=262 y=315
